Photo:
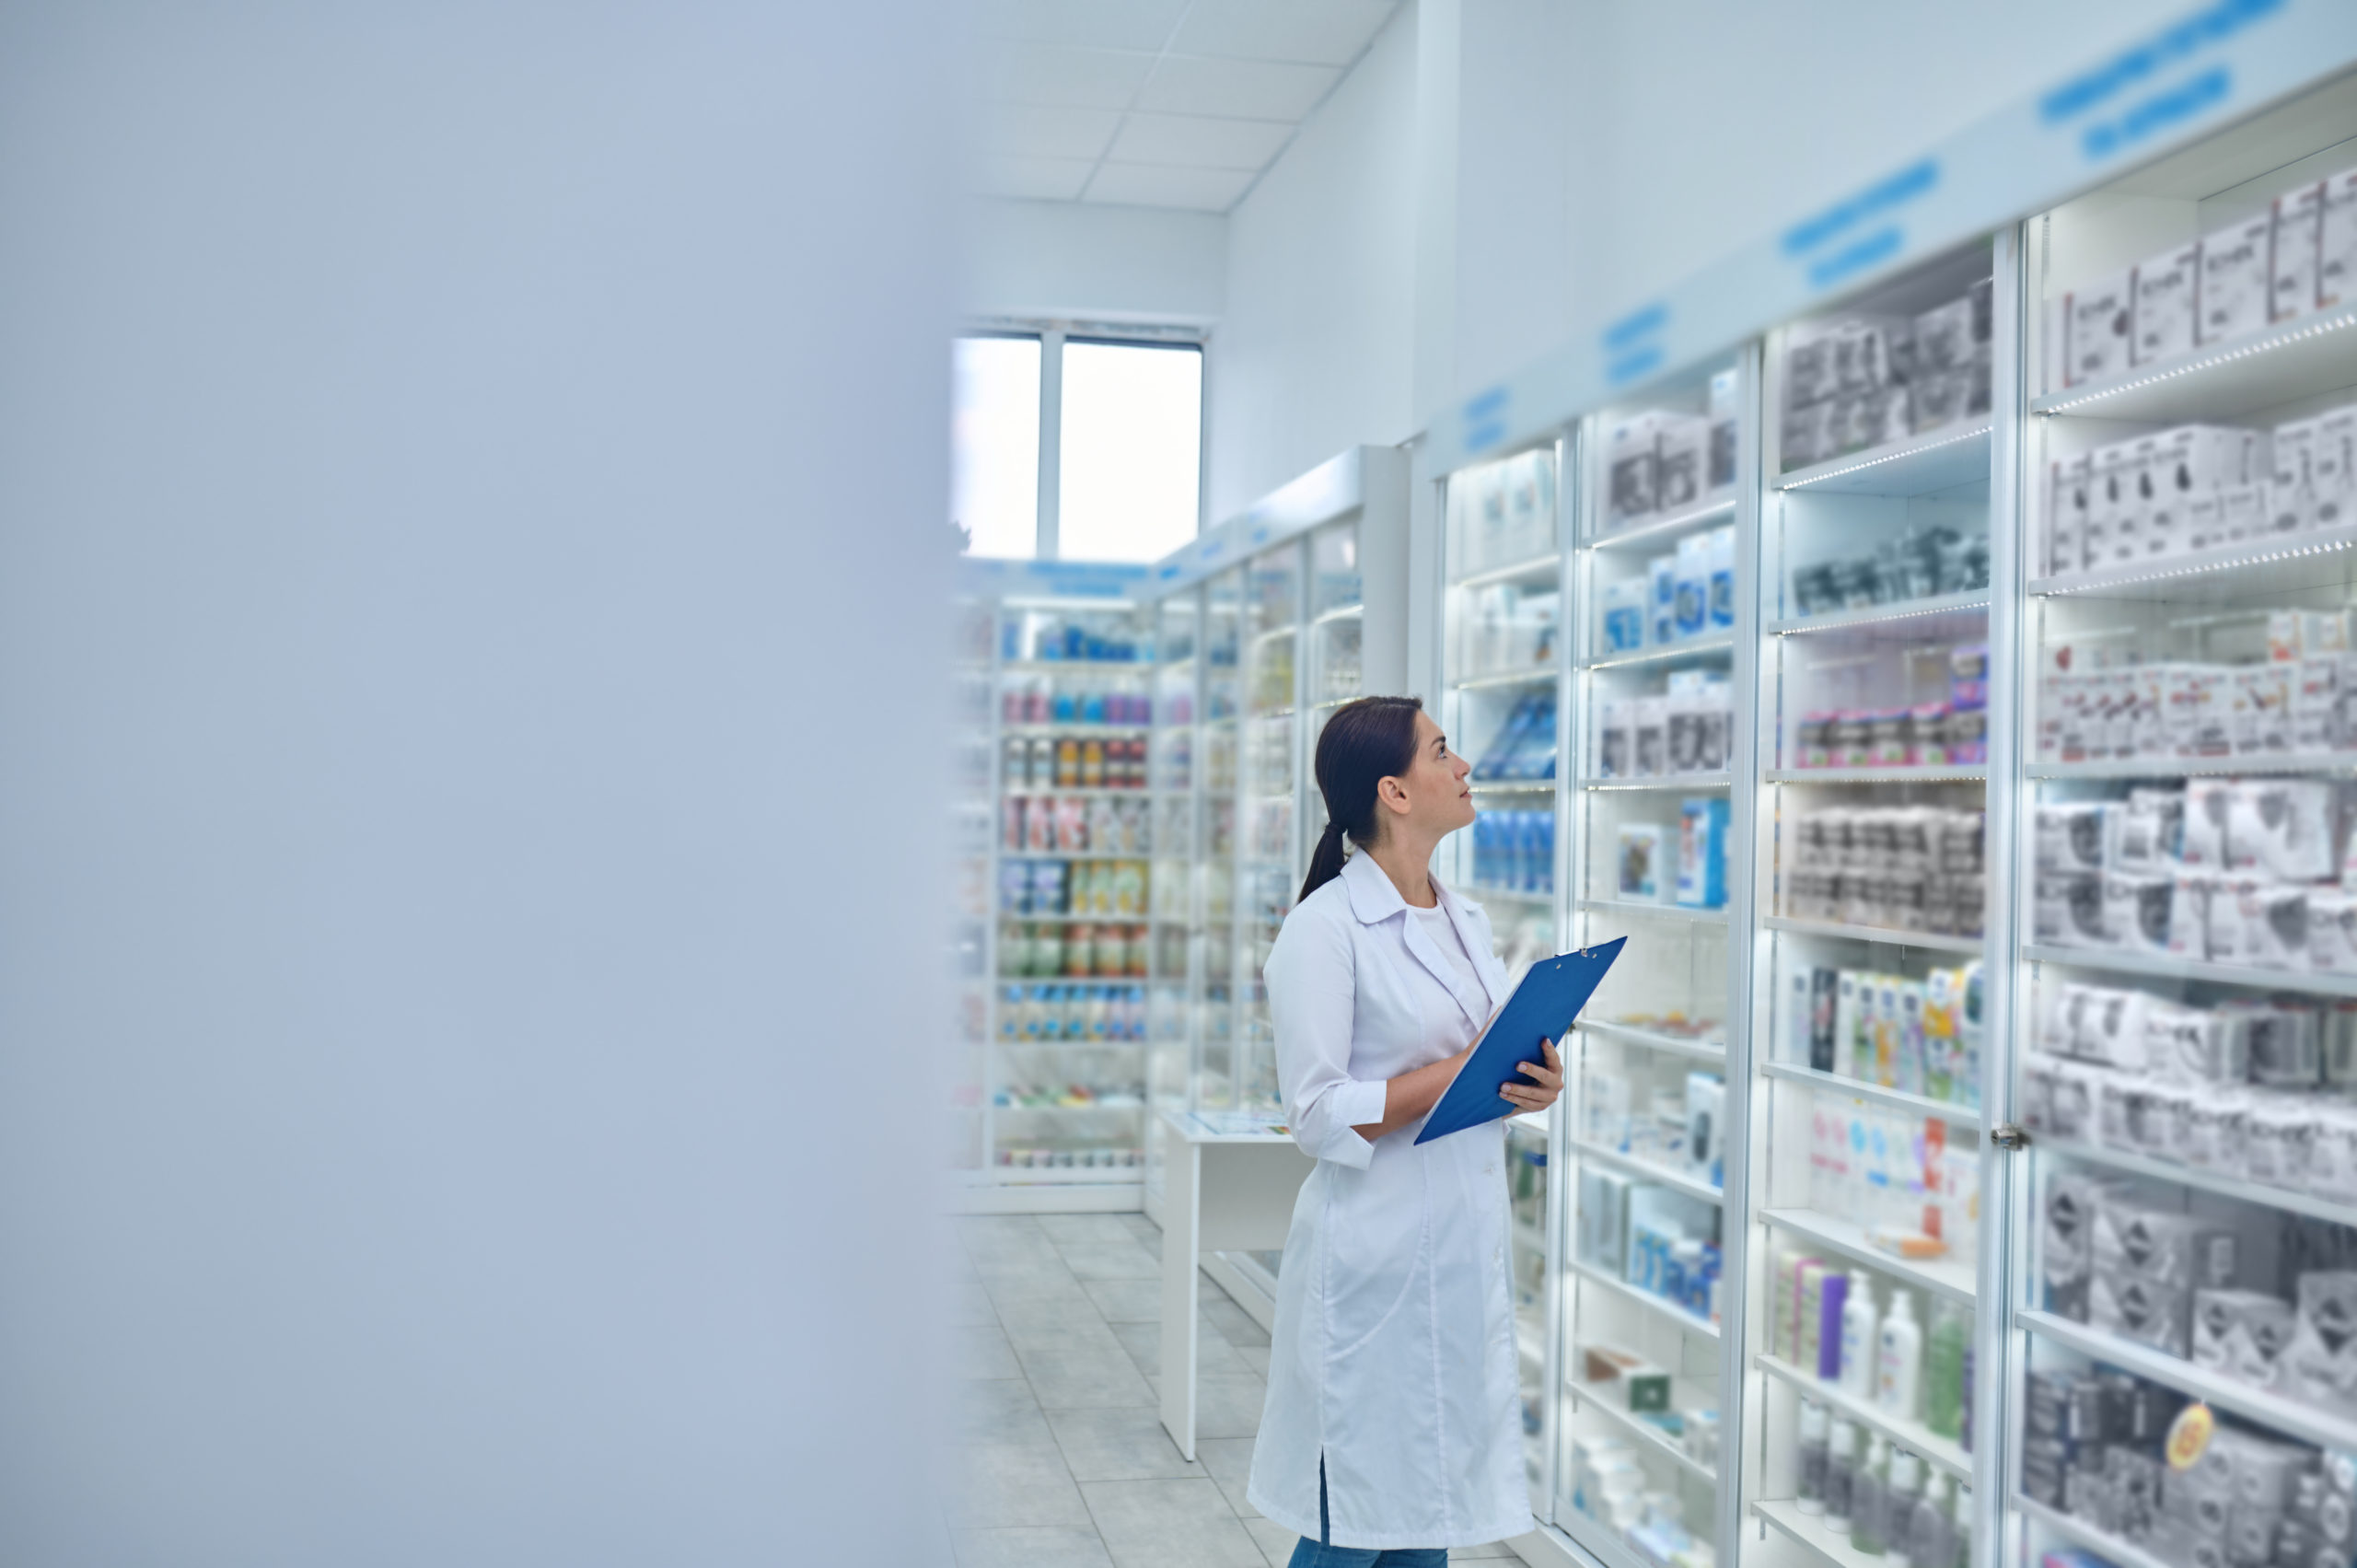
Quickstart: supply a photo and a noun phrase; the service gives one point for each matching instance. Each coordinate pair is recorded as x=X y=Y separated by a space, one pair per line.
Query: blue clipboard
x=1540 y=1009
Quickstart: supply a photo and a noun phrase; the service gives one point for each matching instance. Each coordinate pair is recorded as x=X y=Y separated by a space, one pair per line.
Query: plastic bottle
x=1931 y=1538
x=1898 y=1373
x=1840 y=1473
x=1814 y=1446
x=1944 y=1368
x=1899 y=1498
x=1869 y=1500
x=1860 y=1320
x=1960 y=1528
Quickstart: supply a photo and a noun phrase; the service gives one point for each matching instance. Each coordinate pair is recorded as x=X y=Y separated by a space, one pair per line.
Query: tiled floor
x=1060 y=1460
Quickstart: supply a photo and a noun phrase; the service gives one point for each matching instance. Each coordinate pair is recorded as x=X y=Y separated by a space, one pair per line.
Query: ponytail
x=1364 y=743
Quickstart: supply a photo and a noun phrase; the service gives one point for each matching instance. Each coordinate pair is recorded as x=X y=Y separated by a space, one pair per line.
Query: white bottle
x=1860 y=1319
x=1899 y=1374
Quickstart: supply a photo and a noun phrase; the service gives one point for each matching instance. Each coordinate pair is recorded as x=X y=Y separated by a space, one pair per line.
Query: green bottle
x=1944 y=1369
x=1870 y=1501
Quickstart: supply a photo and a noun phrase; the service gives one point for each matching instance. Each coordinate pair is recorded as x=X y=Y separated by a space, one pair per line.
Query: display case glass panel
x=2187 y=987
x=1217 y=737
x=1267 y=869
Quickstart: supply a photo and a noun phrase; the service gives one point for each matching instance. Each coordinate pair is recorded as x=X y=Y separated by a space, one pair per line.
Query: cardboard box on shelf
x=2298 y=219
x=2237 y=281
x=2167 y=287
x=2292 y=500
x=2337 y=243
x=2069 y=498
x=2096 y=322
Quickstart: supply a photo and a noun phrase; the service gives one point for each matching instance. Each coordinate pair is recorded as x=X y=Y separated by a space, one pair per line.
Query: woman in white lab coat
x=1393 y=1427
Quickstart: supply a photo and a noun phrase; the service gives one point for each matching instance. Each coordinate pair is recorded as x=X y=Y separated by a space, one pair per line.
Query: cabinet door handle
x=2009 y=1137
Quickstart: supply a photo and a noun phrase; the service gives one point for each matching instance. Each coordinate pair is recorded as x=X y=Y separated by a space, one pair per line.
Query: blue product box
x=1661 y=607
x=1703 y=854
x=1624 y=615
x=1693 y=595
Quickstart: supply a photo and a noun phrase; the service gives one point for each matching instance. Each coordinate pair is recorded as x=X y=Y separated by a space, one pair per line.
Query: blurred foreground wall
x=471 y=482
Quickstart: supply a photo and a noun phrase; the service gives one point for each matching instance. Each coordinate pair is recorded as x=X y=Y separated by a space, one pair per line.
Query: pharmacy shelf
x=1944 y=1276
x=1808 y=1532
x=1535 y=675
x=1938 y=459
x=2313 y=355
x=2120 y=1553
x=2266 y=763
x=1675 y=1180
x=1652 y=530
x=1074 y=727
x=1889 y=936
x=1076 y=666
x=1067 y=1175
x=1030 y=791
x=1511 y=786
x=1653 y=1438
x=1875 y=1094
x=1964 y=604
x=1074 y=855
x=1673 y=1045
x=2182 y=1175
x=1652 y=911
x=1668 y=1311
x=1709 y=645
x=1534 y=568
x=1663 y=782
x=2117 y=962
x=1105 y=1107
x=1911 y=1435
x=2278 y=563
x=2287 y=1416
x=1960 y=774
x=1076 y=920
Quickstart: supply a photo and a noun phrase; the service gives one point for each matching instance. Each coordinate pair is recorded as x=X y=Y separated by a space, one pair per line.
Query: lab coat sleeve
x=1313 y=999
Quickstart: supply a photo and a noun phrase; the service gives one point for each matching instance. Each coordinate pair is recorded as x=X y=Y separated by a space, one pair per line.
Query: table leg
x=1182 y=1257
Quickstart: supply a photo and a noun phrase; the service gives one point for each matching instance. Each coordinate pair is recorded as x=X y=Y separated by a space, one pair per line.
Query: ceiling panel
x=1059 y=74
x=1145 y=185
x=1241 y=89
x=1035 y=179
x=1107 y=24
x=1191 y=139
x=1030 y=130
x=1321 y=32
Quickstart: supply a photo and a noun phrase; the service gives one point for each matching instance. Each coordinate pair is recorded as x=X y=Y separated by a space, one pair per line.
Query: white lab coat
x=1394 y=1352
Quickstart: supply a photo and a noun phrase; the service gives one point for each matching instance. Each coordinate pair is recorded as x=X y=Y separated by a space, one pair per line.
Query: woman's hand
x=1541 y=1094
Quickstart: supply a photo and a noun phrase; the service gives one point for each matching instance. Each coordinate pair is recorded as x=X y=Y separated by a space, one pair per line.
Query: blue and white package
x=1720 y=548
x=1702 y=853
x=1661 y=607
x=1693 y=594
x=1624 y=615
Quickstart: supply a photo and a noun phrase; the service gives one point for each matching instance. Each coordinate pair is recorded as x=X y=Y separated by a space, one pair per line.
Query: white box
x=2181 y=464
x=2136 y=910
x=2337 y=243
x=1684 y=461
x=2097 y=318
x=2298 y=216
x=2243 y=509
x=2332 y=468
x=2116 y=519
x=2291 y=498
x=2236 y=281
x=2315 y=702
x=1633 y=458
x=2288 y=829
x=2167 y=287
x=2068 y=499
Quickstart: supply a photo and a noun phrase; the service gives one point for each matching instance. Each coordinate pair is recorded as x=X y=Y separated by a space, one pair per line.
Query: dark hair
x=1364 y=743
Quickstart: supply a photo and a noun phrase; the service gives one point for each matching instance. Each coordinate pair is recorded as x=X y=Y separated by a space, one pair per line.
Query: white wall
x=468 y=822
x=1067 y=259
x=1316 y=352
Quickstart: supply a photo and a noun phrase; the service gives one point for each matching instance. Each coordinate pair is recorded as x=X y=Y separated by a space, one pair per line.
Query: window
x=994 y=445
x=1121 y=428
x=1133 y=437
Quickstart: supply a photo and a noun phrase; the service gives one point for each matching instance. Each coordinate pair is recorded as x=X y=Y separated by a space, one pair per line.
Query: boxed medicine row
x=1659 y=462
x=1857 y=381
x=1689 y=593
x=2200 y=487
x=1688 y=729
x=1896 y=867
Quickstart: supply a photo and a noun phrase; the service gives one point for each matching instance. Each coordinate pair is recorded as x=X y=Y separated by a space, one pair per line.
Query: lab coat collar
x=1375 y=898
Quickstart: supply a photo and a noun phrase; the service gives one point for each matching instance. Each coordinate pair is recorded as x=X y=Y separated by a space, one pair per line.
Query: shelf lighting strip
x=2237 y=562
x=1894 y=613
x=1913 y=449
x=2205 y=361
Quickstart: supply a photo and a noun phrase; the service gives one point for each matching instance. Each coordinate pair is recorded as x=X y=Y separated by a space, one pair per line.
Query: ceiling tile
x=1207 y=144
x=1036 y=179
x=1050 y=73
x=1321 y=32
x=1106 y=24
x=1143 y=185
x=1030 y=130
x=1241 y=89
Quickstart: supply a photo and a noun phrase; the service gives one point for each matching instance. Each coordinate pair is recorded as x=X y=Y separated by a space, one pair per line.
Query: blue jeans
x=1316 y=1554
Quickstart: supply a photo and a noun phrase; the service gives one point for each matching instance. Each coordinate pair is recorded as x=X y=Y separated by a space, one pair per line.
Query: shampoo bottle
x=1832 y=1300
x=1944 y=1369
x=1860 y=1319
x=1900 y=1371
x=1840 y=1473
x=1869 y=1500
x=1905 y=1491
x=1930 y=1539
x=1811 y=1499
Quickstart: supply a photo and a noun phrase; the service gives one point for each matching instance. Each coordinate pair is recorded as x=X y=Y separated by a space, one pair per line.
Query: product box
x=1702 y=853
x=2066 y=1239
x=1694 y=603
x=2237 y=281
x=2242 y=1334
x=1612 y=740
x=2320 y=1368
x=2315 y=702
x=2291 y=497
x=1604 y=1219
x=1720 y=474
x=1719 y=549
x=2098 y=318
x=2246 y=511
x=2332 y=468
x=1648 y=736
x=2298 y=221
x=2337 y=243
x=1632 y=466
x=2332 y=931
x=1706 y=1113
x=2070 y=499
x=2069 y=835
x=2190 y=915
x=2284 y=828
x=1661 y=603
x=1624 y=614
x=1683 y=461
x=2136 y=910
x=2167 y=287
x=1642 y=873
x=2189 y=461
x=2203 y=841
x=2161 y=1247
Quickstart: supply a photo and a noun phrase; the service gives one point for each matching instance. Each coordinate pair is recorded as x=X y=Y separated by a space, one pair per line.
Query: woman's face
x=1431 y=798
